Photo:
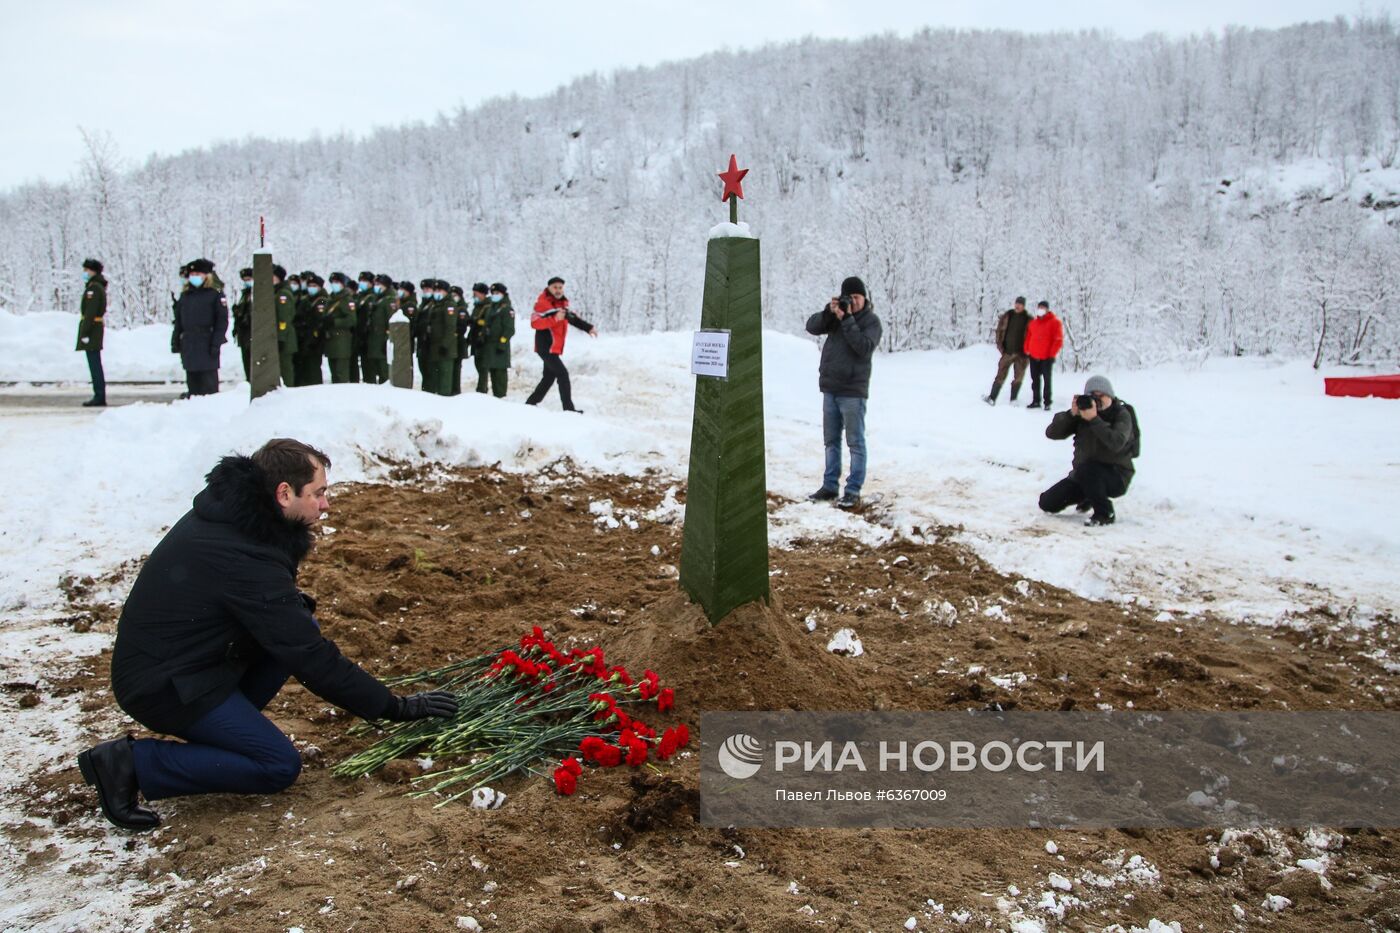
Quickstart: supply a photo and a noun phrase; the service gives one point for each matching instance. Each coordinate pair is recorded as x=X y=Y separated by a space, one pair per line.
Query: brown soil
x=431 y=569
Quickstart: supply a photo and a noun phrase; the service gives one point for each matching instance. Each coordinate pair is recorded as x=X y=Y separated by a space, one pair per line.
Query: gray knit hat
x=1099 y=384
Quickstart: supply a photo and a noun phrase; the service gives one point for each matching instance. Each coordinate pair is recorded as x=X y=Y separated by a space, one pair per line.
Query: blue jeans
x=232 y=749
x=843 y=412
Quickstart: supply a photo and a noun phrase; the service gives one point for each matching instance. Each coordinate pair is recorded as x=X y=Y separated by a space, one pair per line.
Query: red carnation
x=572 y=765
x=609 y=756
x=650 y=685
x=627 y=737
x=683 y=734
x=565 y=781
x=668 y=745
x=666 y=700
x=636 y=753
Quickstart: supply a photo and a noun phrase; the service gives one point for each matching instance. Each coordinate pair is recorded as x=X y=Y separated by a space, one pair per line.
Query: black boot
x=111 y=769
x=95 y=402
x=1015 y=390
x=992 y=398
x=822 y=495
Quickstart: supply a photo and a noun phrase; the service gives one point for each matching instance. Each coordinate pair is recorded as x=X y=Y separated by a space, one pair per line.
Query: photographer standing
x=852 y=333
x=1106 y=440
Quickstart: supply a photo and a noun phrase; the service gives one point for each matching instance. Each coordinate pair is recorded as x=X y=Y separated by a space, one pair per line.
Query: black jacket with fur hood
x=218 y=594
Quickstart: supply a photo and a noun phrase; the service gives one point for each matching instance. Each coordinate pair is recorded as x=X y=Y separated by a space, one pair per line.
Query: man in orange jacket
x=1044 y=337
x=551 y=319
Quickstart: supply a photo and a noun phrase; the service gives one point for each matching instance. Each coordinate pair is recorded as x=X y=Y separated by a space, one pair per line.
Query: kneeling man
x=213 y=628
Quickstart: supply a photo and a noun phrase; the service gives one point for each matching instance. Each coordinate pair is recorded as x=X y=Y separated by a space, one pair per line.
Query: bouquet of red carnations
x=518 y=708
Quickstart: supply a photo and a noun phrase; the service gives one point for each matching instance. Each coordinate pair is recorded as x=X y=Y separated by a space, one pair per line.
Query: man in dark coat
x=551 y=321
x=92 y=309
x=1106 y=441
x=213 y=628
x=852 y=333
x=1011 y=342
x=201 y=327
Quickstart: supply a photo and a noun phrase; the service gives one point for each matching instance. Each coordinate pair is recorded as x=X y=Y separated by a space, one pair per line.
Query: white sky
x=163 y=76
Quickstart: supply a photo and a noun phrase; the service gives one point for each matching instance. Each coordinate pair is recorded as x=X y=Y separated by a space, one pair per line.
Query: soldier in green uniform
x=338 y=324
x=464 y=317
x=493 y=355
x=301 y=323
x=363 y=304
x=93 y=309
x=314 y=288
x=443 y=337
x=286 y=302
x=243 y=320
x=422 y=321
x=476 y=331
x=383 y=304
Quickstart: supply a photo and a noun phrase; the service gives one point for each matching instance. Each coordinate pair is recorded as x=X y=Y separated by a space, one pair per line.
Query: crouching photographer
x=1106 y=440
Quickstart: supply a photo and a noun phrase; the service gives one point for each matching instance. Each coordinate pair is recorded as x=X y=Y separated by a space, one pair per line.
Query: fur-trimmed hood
x=237 y=495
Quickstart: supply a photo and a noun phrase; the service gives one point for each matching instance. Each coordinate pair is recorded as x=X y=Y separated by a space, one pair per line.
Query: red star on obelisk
x=733 y=187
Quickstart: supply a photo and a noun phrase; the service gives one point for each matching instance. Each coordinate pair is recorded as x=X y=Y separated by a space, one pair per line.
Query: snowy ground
x=1256 y=495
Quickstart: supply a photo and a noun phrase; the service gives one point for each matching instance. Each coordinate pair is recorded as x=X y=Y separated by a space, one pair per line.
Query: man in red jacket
x=551 y=320
x=1044 y=337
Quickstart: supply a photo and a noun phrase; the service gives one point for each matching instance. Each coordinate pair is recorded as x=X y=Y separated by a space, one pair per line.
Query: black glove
x=421 y=706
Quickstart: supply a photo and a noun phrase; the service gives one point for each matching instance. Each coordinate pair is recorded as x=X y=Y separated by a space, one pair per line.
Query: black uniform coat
x=201 y=327
x=218 y=593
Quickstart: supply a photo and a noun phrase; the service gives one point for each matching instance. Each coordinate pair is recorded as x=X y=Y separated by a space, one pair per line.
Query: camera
x=844 y=303
x=1085 y=402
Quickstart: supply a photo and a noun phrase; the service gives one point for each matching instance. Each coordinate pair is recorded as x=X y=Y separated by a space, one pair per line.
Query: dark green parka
x=338 y=324
x=93 y=309
x=496 y=324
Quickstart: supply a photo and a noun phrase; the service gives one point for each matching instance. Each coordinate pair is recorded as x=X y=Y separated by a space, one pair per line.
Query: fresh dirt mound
x=441 y=567
x=754 y=658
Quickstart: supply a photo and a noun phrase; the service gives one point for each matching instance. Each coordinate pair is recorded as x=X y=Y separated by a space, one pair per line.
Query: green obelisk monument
x=262 y=355
x=724 y=552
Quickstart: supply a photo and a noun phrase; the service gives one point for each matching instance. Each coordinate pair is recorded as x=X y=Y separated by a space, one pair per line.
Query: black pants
x=245 y=351
x=554 y=371
x=1091 y=483
x=1040 y=374
x=99 y=379
x=202 y=382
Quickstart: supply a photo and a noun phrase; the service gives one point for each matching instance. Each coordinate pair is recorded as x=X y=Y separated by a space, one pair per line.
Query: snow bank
x=1255 y=492
x=39 y=347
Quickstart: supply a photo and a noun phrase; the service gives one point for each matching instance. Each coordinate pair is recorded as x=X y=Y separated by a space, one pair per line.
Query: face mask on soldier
x=196 y=281
x=247 y=283
x=312 y=290
x=335 y=288
x=497 y=297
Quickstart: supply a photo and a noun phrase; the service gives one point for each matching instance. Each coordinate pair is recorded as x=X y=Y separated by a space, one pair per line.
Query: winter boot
x=992 y=398
x=849 y=501
x=109 y=768
x=822 y=495
x=1101 y=518
x=1047 y=404
x=95 y=402
x=1015 y=390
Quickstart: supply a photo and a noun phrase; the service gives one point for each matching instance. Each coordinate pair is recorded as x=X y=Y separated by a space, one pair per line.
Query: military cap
x=382 y=279
x=92 y=264
x=201 y=265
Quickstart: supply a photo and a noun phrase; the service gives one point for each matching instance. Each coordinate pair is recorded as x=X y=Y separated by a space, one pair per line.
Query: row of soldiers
x=346 y=323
